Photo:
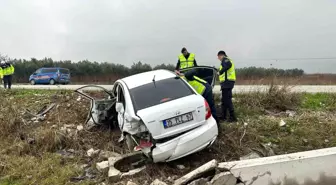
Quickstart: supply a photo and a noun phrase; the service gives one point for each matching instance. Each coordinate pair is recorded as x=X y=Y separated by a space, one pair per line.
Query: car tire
x=130 y=143
x=52 y=82
x=32 y=82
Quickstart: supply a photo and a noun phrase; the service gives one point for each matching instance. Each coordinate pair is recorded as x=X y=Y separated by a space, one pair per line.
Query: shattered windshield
x=158 y=92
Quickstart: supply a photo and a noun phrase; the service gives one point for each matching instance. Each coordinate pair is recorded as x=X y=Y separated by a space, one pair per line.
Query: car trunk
x=191 y=108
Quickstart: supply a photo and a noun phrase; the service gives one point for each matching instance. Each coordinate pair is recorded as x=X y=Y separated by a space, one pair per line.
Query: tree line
x=89 y=72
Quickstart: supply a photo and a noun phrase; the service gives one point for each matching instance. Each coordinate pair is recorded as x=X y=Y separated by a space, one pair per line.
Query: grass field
x=29 y=149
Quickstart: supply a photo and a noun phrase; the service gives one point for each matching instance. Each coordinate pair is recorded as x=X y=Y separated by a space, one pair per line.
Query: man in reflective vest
x=7 y=73
x=227 y=78
x=185 y=60
x=203 y=88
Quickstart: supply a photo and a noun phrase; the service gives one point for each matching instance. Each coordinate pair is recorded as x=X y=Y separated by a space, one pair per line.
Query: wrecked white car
x=159 y=114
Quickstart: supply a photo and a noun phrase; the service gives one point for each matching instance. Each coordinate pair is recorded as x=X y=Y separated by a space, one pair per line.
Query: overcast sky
x=154 y=31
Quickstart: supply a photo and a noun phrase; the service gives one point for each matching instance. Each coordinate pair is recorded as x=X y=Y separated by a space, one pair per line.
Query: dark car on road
x=52 y=75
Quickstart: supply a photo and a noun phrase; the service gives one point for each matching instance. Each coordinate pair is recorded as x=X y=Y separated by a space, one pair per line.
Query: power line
x=317 y=58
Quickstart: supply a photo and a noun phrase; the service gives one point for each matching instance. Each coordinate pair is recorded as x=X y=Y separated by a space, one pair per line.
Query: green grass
x=47 y=169
x=319 y=101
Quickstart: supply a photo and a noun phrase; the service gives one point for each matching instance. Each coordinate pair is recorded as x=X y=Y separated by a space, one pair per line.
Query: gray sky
x=126 y=31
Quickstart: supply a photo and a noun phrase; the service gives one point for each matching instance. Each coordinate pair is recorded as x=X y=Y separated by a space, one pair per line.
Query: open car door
x=206 y=73
x=102 y=111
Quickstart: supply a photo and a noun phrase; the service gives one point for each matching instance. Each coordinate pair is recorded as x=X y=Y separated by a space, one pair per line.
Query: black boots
x=232 y=117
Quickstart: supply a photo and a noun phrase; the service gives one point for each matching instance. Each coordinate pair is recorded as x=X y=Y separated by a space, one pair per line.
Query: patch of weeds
x=47 y=169
x=319 y=101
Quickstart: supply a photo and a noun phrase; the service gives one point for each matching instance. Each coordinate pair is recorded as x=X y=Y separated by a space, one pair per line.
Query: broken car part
x=101 y=110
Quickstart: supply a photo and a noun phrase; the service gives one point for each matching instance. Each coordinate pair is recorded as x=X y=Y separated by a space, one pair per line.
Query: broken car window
x=162 y=91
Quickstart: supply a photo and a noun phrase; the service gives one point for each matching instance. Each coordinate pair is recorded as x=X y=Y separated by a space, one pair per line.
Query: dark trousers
x=227 y=103
x=7 y=81
x=208 y=96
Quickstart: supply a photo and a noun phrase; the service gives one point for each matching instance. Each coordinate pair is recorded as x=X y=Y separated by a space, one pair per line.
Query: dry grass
x=21 y=162
x=311 y=79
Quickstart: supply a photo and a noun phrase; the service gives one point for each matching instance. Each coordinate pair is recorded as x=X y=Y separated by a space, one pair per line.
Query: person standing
x=185 y=60
x=7 y=73
x=227 y=78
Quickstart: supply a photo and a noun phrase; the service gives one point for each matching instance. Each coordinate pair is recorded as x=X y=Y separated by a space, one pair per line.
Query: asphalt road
x=237 y=89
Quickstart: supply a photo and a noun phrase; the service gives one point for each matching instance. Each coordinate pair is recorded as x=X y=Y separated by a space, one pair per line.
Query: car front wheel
x=32 y=82
x=52 y=82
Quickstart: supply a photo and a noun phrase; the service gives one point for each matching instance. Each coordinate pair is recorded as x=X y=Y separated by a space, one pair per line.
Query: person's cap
x=183 y=50
x=3 y=62
x=221 y=52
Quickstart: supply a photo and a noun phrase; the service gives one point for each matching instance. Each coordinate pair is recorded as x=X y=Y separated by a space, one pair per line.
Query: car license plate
x=178 y=120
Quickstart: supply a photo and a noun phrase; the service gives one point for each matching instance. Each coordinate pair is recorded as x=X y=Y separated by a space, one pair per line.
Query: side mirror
x=120 y=107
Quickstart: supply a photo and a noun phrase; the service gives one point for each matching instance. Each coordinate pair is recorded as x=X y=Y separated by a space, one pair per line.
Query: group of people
x=6 y=73
x=227 y=78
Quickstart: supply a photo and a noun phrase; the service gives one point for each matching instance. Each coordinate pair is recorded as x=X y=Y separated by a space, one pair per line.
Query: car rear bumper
x=186 y=144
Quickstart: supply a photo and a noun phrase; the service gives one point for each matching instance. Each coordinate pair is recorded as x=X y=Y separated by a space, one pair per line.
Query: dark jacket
x=227 y=84
x=178 y=62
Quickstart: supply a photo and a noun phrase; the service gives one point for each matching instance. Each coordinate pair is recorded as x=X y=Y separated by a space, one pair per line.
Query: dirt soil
x=34 y=141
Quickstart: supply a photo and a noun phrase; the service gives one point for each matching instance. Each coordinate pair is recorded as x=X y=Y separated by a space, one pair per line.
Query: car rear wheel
x=32 y=82
x=52 y=82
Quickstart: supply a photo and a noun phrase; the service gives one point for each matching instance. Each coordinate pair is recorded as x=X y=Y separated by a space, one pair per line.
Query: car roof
x=147 y=77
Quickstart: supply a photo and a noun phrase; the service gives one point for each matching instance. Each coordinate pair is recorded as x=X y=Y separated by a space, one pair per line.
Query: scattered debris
x=131 y=183
x=201 y=181
x=180 y=167
x=327 y=141
x=132 y=172
x=69 y=125
x=88 y=174
x=115 y=174
x=84 y=166
x=31 y=141
x=91 y=152
x=226 y=178
x=80 y=127
x=282 y=123
x=105 y=155
x=252 y=155
x=102 y=166
x=202 y=170
x=305 y=140
x=268 y=150
x=66 y=153
x=79 y=98
x=290 y=113
x=275 y=114
x=158 y=182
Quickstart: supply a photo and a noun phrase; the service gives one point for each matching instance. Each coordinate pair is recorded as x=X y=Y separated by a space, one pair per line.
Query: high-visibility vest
x=230 y=73
x=197 y=84
x=9 y=70
x=184 y=63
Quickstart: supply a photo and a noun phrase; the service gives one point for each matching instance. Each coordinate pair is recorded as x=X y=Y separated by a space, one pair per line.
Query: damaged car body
x=158 y=113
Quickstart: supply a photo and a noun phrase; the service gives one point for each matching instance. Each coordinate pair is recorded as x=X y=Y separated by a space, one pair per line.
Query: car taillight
x=207 y=110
